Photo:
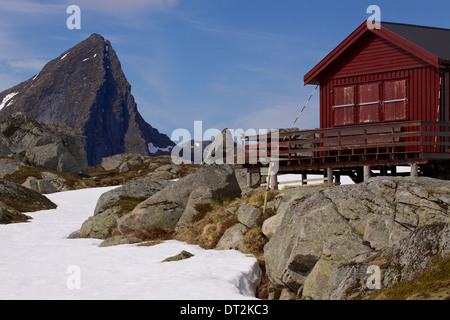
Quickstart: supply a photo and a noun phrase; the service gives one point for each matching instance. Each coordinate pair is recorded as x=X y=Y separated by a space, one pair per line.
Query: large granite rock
x=16 y=199
x=44 y=146
x=331 y=280
x=7 y=167
x=109 y=207
x=175 y=203
x=222 y=150
x=325 y=230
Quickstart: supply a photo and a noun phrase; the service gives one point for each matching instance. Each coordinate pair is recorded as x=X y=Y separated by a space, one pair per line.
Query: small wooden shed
x=384 y=102
x=399 y=72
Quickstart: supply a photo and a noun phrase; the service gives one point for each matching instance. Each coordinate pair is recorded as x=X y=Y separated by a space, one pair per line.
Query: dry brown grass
x=214 y=219
x=207 y=231
x=153 y=234
x=432 y=283
x=99 y=177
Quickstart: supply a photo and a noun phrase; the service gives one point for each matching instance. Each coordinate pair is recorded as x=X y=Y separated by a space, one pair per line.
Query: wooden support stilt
x=330 y=176
x=338 y=179
x=414 y=170
x=367 y=173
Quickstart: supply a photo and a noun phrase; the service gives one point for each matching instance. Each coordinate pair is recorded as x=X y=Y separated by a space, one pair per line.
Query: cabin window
x=395 y=100
x=344 y=105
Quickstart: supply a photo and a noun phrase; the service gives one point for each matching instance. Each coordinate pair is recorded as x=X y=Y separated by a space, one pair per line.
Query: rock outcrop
x=44 y=146
x=401 y=262
x=222 y=150
x=39 y=185
x=7 y=167
x=86 y=89
x=115 y=203
x=174 y=206
x=16 y=199
x=118 y=161
x=328 y=235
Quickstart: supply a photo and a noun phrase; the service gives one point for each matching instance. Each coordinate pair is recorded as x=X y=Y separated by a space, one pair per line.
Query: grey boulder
x=101 y=224
x=44 y=146
x=166 y=208
x=324 y=231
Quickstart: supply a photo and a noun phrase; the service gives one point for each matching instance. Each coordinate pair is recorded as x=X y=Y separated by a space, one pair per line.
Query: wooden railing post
x=373 y=145
x=421 y=140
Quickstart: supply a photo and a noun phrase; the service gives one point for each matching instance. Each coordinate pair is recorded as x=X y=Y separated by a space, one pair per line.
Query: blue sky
x=229 y=63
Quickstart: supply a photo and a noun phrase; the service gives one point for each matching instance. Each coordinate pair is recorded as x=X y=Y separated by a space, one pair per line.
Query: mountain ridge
x=85 y=88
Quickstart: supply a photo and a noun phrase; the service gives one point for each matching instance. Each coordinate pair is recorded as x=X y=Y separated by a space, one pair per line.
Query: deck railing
x=394 y=142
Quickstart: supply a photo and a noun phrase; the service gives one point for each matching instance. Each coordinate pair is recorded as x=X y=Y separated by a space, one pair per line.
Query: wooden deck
x=350 y=148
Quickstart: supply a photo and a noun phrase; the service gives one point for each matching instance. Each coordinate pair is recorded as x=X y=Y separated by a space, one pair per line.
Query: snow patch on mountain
x=153 y=149
x=7 y=98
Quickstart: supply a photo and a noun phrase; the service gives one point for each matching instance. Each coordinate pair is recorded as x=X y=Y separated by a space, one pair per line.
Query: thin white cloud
x=30 y=7
x=120 y=6
x=29 y=64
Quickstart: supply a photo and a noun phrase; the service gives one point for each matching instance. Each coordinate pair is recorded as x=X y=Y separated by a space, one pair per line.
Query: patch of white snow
x=153 y=149
x=39 y=262
x=7 y=98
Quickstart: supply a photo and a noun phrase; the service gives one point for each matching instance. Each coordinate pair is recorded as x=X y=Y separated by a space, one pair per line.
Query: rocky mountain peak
x=85 y=88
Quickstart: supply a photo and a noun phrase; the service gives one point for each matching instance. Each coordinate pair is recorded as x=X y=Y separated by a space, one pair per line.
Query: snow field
x=38 y=262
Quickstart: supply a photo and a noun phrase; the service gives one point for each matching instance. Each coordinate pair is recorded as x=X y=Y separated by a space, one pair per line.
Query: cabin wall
x=422 y=92
x=373 y=54
x=446 y=96
x=368 y=64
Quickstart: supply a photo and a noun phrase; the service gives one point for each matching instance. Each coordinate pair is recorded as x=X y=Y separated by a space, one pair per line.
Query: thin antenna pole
x=270 y=163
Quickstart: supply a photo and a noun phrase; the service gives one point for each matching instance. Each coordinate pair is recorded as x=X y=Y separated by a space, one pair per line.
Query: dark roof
x=434 y=40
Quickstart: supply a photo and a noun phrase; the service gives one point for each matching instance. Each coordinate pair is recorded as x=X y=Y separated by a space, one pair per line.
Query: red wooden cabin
x=396 y=73
x=384 y=102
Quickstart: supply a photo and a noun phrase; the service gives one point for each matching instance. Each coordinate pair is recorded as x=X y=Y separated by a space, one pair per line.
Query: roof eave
x=312 y=77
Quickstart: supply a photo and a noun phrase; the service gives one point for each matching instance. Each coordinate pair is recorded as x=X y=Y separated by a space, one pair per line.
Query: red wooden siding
x=372 y=80
x=393 y=91
x=369 y=102
x=369 y=56
x=344 y=105
x=422 y=93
